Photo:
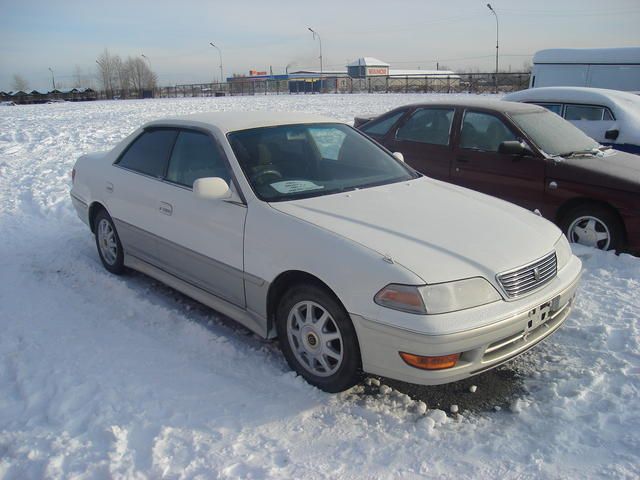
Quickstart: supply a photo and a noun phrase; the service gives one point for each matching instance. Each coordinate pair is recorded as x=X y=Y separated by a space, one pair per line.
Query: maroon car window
x=481 y=131
x=427 y=125
x=382 y=126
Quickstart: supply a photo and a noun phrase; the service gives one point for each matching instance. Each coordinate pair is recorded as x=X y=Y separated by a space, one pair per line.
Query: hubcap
x=315 y=338
x=107 y=242
x=590 y=231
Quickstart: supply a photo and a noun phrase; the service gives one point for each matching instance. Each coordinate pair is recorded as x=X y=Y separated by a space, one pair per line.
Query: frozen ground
x=105 y=377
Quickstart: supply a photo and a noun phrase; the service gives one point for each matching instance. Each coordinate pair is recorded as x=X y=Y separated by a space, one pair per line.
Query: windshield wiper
x=579 y=153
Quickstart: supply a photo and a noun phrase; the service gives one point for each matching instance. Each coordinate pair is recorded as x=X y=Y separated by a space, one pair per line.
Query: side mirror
x=612 y=134
x=398 y=156
x=211 y=188
x=514 y=147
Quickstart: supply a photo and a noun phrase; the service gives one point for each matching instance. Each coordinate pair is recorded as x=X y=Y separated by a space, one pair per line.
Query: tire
x=108 y=243
x=593 y=225
x=327 y=355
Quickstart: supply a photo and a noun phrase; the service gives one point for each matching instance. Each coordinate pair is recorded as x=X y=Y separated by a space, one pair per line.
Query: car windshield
x=554 y=135
x=307 y=160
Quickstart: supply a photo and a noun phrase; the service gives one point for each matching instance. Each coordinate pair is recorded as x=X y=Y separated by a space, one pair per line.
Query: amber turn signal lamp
x=430 y=363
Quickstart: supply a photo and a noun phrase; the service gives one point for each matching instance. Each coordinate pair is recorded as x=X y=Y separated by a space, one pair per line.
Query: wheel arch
x=283 y=282
x=94 y=208
x=575 y=202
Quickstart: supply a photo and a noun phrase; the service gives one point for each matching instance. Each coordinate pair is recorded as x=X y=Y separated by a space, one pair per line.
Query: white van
x=613 y=68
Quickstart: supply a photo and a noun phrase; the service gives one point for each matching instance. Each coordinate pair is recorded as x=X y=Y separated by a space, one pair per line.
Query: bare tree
x=19 y=83
x=107 y=72
x=141 y=76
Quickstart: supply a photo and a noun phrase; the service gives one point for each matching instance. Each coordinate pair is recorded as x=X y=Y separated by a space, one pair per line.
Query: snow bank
x=105 y=377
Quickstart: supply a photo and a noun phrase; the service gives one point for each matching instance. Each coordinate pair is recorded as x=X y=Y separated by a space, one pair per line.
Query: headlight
x=563 y=251
x=459 y=295
x=438 y=298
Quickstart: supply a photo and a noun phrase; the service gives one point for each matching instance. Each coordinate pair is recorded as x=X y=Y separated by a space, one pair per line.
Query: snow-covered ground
x=106 y=377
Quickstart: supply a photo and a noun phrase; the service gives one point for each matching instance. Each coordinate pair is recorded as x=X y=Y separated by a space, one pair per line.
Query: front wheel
x=318 y=339
x=593 y=226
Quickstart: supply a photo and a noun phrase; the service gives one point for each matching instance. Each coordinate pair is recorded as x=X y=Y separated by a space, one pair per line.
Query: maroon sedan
x=524 y=154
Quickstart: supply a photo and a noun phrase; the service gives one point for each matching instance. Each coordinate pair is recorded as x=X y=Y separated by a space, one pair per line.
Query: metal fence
x=461 y=83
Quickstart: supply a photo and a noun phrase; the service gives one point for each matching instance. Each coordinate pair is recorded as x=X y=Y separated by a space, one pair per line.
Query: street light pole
x=220 y=54
x=495 y=15
x=315 y=34
x=53 y=80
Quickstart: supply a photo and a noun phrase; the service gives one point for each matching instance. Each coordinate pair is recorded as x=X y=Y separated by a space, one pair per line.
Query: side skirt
x=247 y=318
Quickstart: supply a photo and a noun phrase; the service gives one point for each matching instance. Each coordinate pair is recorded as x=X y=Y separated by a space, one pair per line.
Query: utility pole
x=315 y=34
x=53 y=80
x=220 y=54
x=496 y=15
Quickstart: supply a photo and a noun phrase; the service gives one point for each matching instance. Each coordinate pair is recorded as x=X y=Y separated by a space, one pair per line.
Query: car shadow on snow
x=495 y=389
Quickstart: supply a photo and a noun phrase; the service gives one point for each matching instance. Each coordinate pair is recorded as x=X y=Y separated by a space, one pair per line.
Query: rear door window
x=554 y=107
x=583 y=112
x=149 y=153
x=381 y=127
x=428 y=125
x=195 y=155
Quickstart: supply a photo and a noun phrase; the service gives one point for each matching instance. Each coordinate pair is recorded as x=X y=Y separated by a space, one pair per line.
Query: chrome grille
x=525 y=279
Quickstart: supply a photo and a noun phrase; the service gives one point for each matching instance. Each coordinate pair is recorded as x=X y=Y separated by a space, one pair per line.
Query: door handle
x=109 y=187
x=166 y=208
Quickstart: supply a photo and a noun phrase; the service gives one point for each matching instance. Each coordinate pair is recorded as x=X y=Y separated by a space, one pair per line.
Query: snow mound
x=107 y=377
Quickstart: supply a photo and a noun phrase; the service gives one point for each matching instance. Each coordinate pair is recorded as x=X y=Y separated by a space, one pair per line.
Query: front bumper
x=482 y=348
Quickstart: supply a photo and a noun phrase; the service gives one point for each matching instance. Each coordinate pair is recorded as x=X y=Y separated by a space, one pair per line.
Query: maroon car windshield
x=552 y=134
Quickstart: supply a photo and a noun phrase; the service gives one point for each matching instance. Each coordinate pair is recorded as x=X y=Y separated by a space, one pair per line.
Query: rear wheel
x=594 y=226
x=108 y=243
x=318 y=339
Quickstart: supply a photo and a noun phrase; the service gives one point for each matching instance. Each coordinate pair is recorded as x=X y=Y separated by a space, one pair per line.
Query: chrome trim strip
x=250 y=319
x=78 y=199
x=218 y=264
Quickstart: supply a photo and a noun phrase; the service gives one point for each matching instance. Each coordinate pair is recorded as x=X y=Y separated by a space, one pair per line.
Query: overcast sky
x=175 y=36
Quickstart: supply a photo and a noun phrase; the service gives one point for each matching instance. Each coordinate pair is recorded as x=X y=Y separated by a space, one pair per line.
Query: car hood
x=617 y=170
x=439 y=231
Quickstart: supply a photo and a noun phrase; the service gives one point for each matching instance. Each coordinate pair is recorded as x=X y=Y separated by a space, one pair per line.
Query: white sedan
x=302 y=229
x=610 y=117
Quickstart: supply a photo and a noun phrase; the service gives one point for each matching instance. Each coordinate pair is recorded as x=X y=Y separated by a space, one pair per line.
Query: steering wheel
x=264 y=176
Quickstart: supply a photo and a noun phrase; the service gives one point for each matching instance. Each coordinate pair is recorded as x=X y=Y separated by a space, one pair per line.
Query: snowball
x=427 y=422
x=454 y=408
x=375 y=382
x=421 y=407
x=438 y=416
x=385 y=389
x=473 y=389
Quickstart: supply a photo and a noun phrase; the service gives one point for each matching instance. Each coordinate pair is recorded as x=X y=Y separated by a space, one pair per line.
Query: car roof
x=587 y=95
x=479 y=102
x=234 y=121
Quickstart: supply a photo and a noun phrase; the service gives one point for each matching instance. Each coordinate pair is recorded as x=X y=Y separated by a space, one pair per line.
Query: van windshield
x=287 y=162
x=554 y=135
